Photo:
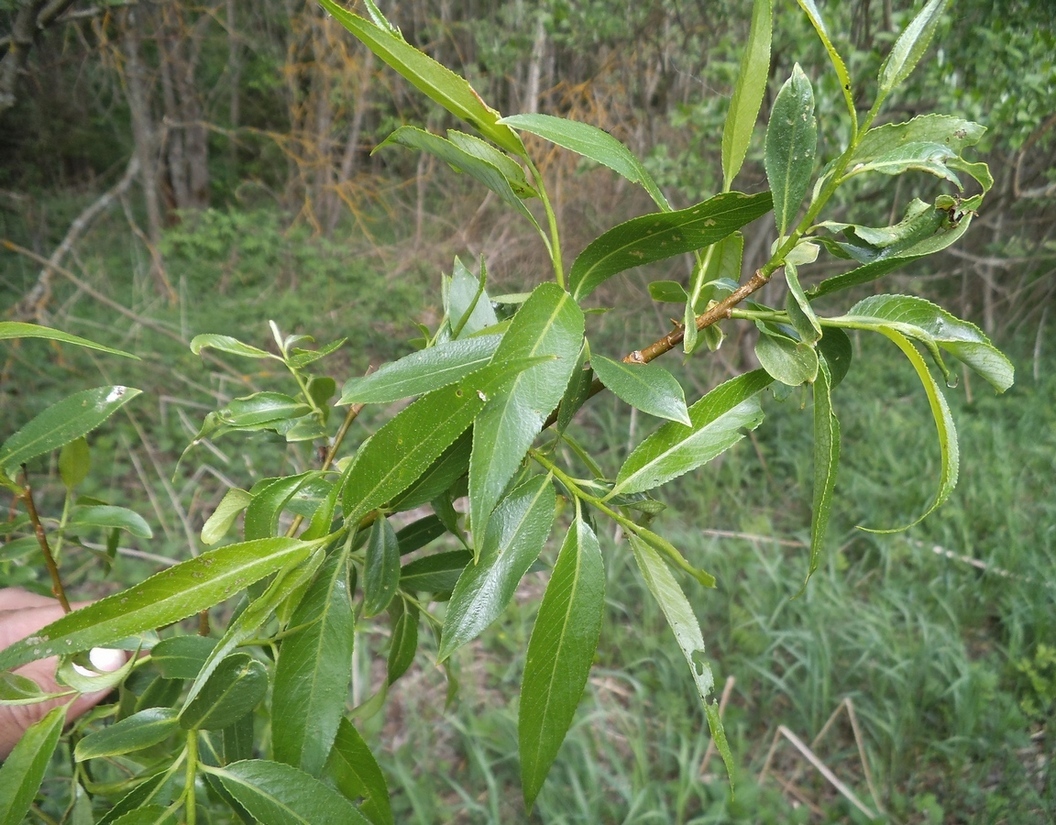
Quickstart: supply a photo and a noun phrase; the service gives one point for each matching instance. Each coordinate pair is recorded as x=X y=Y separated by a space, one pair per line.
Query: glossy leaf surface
x=23 y=770
x=810 y=7
x=910 y=46
x=647 y=387
x=790 y=362
x=133 y=733
x=747 y=92
x=791 y=141
x=381 y=569
x=437 y=573
x=232 y=690
x=19 y=329
x=826 y=461
x=356 y=774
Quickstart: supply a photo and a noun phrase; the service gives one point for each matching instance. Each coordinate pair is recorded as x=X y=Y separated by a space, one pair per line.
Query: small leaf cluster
x=431 y=521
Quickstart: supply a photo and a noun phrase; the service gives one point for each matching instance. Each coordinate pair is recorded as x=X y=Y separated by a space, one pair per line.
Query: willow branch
x=42 y=539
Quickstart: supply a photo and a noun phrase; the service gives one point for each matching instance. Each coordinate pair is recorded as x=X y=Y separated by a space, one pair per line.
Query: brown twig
x=42 y=538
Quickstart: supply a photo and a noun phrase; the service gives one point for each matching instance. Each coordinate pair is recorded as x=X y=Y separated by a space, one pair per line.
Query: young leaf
x=441 y=84
x=270 y=496
x=235 y=500
x=940 y=411
x=800 y=312
x=592 y=143
x=560 y=653
x=314 y=670
x=748 y=92
x=18 y=329
x=683 y=623
x=826 y=461
x=837 y=62
x=23 y=770
x=109 y=517
x=233 y=690
x=910 y=46
x=404 y=448
x=720 y=419
x=790 y=362
x=647 y=387
x=276 y=794
x=510 y=169
x=404 y=643
x=923 y=320
x=136 y=732
x=791 y=141
x=663 y=235
x=381 y=570
x=482 y=171
x=356 y=774
x=513 y=540
x=466 y=303
x=259 y=411
x=164 y=598
x=422 y=371
x=61 y=423
x=232 y=346
x=550 y=324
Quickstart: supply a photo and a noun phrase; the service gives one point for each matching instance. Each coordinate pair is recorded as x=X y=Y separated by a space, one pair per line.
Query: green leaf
x=800 y=312
x=592 y=143
x=437 y=573
x=232 y=346
x=136 y=732
x=928 y=323
x=953 y=133
x=663 y=235
x=791 y=142
x=748 y=92
x=647 y=387
x=466 y=302
x=24 y=769
x=61 y=423
x=826 y=461
x=577 y=392
x=276 y=794
x=314 y=670
x=381 y=568
x=148 y=815
x=668 y=292
x=111 y=518
x=442 y=473
x=549 y=324
x=259 y=411
x=235 y=500
x=18 y=329
x=790 y=362
x=940 y=411
x=404 y=643
x=510 y=169
x=560 y=653
x=181 y=657
x=233 y=689
x=74 y=462
x=513 y=540
x=910 y=46
x=720 y=419
x=270 y=497
x=418 y=534
x=836 y=348
x=422 y=371
x=683 y=623
x=20 y=690
x=164 y=598
x=356 y=774
x=156 y=789
x=473 y=165
x=404 y=448
x=439 y=83
x=837 y=62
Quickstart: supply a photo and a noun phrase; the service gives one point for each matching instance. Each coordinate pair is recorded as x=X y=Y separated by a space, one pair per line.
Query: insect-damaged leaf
x=791 y=141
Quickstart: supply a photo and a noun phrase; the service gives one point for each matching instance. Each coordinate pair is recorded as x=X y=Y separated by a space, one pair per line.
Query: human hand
x=23 y=613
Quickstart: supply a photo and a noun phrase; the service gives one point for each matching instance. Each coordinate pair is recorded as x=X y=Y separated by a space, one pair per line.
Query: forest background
x=169 y=168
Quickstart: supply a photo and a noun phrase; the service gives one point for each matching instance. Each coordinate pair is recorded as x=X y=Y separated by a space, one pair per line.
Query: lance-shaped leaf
x=133 y=733
x=397 y=454
x=511 y=169
x=647 y=387
x=842 y=74
x=314 y=670
x=233 y=690
x=438 y=573
x=181 y=657
x=235 y=500
x=932 y=325
x=720 y=419
x=513 y=540
x=441 y=84
x=164 y=598
x=560 y=652
x=75 y=460
x=549 y=325
x=910 y=46
x=232 y=346
x=790 y=362
x=381 y=569
x=61 y=423
x=270 y=496
x=683 y=623
x=953 y=133
x=404 y=642
x=593 y=143
x=481 y=170
x=748 y=92
x=791 y=141
x=442 y=473
x=276 y=794
x=940 y=411
x=356 y=774
x=826 y=461
x=467 y=306
x=252 y=413
x=24 y=769
x=800 y=312
x=18 y=329
x=109 y=517
x=663 y=235
x=422 y=371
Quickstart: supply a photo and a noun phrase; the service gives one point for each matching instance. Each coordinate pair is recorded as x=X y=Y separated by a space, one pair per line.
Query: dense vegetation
x=171 y=170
